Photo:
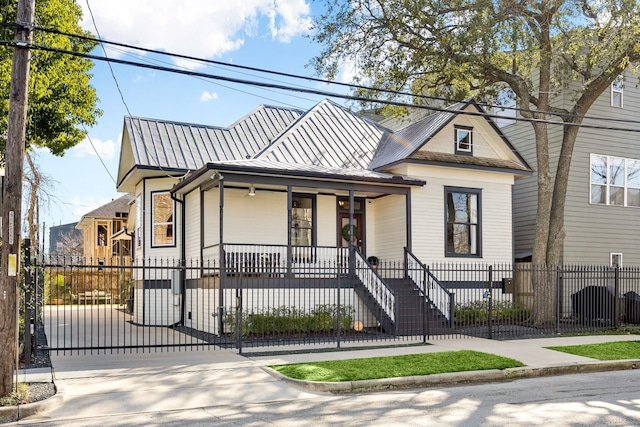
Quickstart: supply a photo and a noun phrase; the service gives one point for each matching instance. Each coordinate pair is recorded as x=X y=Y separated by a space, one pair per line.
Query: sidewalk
x=92 y=385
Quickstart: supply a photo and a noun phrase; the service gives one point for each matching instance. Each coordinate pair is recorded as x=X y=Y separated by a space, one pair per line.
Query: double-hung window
x=462 y=228
x=615 y=181
x=464 y=143
x=163 y=214
x=617 y=92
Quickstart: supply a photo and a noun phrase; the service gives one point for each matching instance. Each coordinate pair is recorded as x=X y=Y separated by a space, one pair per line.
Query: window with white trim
x=463 y=140
x=615 y=181
x=617 y=91
x=615 y=259
x=162 y=213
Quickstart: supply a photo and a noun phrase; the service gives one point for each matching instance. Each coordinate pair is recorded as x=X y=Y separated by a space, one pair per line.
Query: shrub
x=477 y=312
x=285 y=320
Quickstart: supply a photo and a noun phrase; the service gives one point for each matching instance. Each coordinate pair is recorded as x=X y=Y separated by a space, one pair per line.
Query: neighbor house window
x=615 y=181
x=617 y=88
x=463 y=140
x=462 y=211
x=615 y=259
x=162 y=219
x=102 y=235
x=302 y=224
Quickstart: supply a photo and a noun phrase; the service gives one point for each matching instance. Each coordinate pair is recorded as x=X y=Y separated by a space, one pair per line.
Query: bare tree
x=39 y=192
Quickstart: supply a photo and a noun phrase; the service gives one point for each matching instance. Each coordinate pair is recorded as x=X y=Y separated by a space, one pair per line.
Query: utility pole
x=12 y=193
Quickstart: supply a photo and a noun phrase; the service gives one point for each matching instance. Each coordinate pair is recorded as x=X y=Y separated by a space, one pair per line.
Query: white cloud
x=200 y=28
x=83 y=204
x=208 y=96
x=94 y=147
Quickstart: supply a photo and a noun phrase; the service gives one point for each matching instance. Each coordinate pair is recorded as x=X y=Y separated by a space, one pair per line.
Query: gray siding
x=592 y=231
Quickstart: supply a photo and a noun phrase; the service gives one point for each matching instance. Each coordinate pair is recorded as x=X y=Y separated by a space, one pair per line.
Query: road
x=602 y=399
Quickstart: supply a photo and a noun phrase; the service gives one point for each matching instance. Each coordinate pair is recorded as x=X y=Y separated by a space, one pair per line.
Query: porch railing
x=436 y=293
x=280 y=260
x=375 y=285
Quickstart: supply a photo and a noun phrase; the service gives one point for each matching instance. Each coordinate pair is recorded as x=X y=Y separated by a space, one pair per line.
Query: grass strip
x=396 y=366
x=618 y=350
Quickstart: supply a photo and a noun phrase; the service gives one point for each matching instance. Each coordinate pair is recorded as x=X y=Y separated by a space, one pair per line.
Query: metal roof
x=404 y=142
x=327 y=136
x=263 y=167
x=270 y=165
x=166 y=144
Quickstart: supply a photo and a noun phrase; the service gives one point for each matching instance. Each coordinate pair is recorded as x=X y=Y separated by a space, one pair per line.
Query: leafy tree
x=459 y=48
x=61 y=100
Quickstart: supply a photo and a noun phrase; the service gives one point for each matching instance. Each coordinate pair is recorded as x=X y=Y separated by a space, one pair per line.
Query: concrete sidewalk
x=96 y=385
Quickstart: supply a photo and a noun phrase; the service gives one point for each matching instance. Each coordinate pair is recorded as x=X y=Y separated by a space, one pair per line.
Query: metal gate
x=107 y=305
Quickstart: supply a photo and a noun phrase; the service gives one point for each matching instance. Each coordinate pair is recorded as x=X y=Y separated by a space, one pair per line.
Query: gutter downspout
x=183 y=254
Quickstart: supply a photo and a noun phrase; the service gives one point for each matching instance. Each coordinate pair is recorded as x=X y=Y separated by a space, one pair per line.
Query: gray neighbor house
x=603 y=194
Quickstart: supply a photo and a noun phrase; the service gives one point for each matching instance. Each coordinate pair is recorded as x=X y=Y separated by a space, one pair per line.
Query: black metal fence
x=327 y=299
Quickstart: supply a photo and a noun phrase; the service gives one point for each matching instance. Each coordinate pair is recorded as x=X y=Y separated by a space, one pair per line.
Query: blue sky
x=265 y=34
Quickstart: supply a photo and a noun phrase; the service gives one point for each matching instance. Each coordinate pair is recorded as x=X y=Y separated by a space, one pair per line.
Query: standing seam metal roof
x=166 y=144
x=329 y=136
x=407 y=140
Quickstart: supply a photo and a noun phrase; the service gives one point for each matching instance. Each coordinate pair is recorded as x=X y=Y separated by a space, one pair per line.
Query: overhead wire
x=317 y=91
x=332 y=82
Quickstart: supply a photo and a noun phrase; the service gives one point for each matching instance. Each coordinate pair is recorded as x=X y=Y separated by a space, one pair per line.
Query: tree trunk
x=556 y=225
x=544 y=291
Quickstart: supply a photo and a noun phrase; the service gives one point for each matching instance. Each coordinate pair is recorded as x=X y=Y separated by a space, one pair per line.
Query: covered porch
x=306 y=233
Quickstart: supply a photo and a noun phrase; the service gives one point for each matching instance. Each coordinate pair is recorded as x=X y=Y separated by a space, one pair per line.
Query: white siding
x=192 y=226
x=327 y=221
x=258 y=219
x=211 y=218
x=166 y=252
x=428 y=212
x=485 y=141
x=389 y=233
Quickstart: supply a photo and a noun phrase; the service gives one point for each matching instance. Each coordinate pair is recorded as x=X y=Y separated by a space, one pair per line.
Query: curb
x=455 y=378
x=15 y=413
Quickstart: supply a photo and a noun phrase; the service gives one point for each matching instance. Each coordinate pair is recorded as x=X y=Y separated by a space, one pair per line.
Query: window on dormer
x=464 y=140
x=617 y=88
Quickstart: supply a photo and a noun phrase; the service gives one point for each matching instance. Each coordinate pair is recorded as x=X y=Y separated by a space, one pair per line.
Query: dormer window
x=617 y=88
x=464 y=140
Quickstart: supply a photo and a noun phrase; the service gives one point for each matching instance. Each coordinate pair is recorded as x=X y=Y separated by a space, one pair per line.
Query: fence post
x=339 y=311
x=425 y=305
x=490 y=302
x=239 y=315
x=558 y=289
x=616 y=303
x=28 y=312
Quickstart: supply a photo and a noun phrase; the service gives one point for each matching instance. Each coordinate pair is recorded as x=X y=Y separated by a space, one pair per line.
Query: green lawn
x=396 y=366
x=605 y=351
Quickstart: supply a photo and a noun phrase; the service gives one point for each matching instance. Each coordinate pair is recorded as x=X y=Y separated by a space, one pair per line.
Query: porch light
x=252 y=191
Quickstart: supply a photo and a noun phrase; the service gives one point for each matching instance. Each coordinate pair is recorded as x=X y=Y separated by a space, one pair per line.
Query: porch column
x=408 y=218
x=289 y=207
x=352 y=248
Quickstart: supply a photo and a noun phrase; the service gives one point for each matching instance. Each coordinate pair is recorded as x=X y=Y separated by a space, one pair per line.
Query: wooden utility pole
x=12 y=193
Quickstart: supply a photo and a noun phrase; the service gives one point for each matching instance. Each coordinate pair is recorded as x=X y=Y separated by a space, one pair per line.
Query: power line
x=331 y=82
x=313 y=91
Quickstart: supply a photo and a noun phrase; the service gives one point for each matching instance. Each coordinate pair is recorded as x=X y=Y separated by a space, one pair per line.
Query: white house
x=289 y=195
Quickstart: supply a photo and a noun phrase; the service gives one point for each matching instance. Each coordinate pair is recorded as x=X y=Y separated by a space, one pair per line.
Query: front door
x=354 y=234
